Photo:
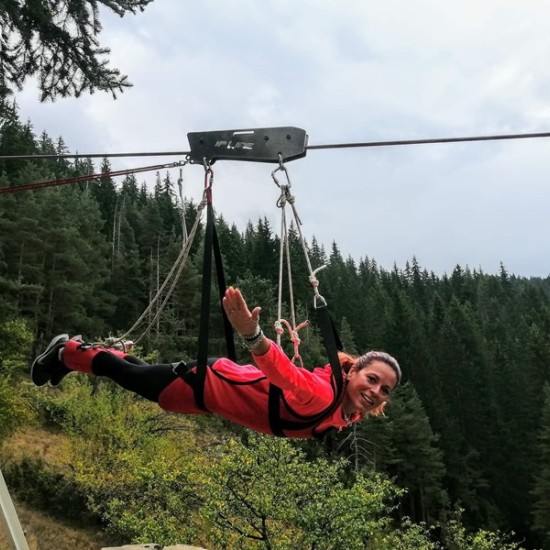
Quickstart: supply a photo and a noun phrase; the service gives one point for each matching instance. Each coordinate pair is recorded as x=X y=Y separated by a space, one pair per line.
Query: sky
x=345 y=71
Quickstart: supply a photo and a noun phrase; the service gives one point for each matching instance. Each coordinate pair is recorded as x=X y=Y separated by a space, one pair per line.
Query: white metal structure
x=9 y=518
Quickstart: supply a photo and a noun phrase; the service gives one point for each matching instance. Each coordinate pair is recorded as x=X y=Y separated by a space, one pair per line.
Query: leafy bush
x=15 y=343
x=147 y=477
x=14 y=407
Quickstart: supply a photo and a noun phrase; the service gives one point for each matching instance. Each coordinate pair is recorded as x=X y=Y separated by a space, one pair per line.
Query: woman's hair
x=347 y=361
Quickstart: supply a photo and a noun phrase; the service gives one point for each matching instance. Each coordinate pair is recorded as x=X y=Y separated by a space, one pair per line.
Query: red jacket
x=240 y=394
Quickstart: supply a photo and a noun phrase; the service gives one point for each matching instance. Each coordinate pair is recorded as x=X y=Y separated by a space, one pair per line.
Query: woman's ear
x=351 y=370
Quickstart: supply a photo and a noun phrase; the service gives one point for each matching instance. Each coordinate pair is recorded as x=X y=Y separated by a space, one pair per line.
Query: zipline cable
x=495 y=137
x=428 y=141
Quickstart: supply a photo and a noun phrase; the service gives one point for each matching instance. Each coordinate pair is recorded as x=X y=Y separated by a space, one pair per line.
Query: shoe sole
x=58 y=375
x=41 y=376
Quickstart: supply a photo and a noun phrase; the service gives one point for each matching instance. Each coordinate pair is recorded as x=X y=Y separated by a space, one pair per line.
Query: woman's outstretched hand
x=244 y=321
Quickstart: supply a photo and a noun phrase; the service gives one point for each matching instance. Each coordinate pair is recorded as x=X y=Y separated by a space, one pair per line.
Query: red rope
x=78 y=179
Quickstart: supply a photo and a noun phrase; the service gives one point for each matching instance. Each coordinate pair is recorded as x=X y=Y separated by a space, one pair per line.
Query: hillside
x=44 y=532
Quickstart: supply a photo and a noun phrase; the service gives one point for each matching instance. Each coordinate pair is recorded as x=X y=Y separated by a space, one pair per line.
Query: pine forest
x=461 y=458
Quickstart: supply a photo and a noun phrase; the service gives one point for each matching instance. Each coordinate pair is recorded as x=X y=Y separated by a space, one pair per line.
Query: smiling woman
x=370 y=380
x=244 y=394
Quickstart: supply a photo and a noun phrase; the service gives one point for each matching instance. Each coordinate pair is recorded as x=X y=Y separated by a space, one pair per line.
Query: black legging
x=134 y=374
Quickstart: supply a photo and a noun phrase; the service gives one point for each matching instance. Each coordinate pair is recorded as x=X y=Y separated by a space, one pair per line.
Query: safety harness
x=196 y=376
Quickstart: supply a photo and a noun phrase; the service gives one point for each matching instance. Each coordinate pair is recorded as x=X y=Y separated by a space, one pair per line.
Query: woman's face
x=369 y=387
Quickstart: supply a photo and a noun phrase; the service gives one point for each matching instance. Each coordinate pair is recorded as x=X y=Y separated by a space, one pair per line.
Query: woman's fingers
x=256 y=313
x=239 y=301
x=236 y=308
x=235 y=301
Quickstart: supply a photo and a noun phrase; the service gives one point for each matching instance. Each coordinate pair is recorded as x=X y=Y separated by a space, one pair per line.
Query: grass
x=44 y=532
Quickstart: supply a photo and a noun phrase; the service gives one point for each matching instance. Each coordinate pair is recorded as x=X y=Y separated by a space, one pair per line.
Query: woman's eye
x=371 y=379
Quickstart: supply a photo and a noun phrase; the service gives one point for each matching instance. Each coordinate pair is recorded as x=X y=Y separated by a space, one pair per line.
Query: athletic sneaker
x=47 y=366
x=60 y=371
x=58 y=374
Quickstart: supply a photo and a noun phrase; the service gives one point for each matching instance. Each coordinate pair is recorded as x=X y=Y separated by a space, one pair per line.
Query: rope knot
x=279 y=328
x=295 y=338
x=313 y=281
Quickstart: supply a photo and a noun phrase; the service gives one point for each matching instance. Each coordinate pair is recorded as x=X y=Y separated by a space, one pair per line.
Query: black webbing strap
x=227 y=328
x=274 y=399
x=332 y=343
x=211 y=248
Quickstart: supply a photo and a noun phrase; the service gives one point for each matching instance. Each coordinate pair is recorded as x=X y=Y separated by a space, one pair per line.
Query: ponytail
x=346 y=360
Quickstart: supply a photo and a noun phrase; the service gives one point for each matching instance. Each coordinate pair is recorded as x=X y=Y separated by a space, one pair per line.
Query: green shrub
x=15 y=409
x=15 y=343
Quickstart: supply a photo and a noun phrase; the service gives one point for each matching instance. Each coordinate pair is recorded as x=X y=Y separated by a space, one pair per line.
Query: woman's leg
x=127 y=371
x=158 y=383
x=135 y=360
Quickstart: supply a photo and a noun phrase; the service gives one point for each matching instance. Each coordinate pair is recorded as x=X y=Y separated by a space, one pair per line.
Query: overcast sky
x=345 y=71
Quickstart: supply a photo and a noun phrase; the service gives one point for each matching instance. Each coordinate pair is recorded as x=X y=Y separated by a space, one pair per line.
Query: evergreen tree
x=347 y=338
x=58 y=41
x=299 y=268
x=475 y=346
x=75 y=270
x=317 y=254
x=127 y=281
x=180 y=326
x=541 y=489
x=232 y=248
x=264 y=252
x=20 y=247
x=15 y=139
x=469 y=441
x=403 y=445
x=104 y=191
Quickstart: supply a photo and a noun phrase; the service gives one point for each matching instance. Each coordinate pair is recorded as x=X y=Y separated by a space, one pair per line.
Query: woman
x=307 y=404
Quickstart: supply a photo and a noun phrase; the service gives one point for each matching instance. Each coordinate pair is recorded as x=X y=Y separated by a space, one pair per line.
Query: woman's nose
x=375 y=390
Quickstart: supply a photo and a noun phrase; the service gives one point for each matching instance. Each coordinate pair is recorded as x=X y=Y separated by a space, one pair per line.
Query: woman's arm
x=308 y=390
x=307 y=387
x=262 y=347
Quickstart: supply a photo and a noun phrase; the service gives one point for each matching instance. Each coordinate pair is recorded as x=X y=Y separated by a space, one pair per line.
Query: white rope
x=278 y=327
x=284 y=251
x=312 y=273
x=178 y=265
x=182 y=202
x=290 y=285
x=287 y=197
x=280 y=324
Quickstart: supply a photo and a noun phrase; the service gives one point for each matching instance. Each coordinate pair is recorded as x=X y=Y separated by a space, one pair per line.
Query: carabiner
x=281 y=168
x=208 y=174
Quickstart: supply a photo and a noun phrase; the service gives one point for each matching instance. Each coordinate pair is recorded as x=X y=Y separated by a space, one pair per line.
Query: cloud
x=345 y=71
